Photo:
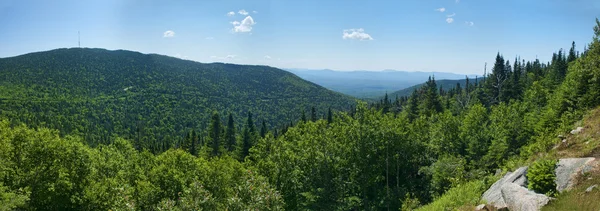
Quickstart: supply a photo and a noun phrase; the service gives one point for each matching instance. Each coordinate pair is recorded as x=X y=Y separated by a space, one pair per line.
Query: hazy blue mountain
x=369 y=84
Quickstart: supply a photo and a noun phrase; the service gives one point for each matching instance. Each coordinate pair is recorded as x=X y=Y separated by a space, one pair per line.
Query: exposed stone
x=591 y=188
x=568 y=169
x=577 y=130
x=519 y=198
x=481 y=207
x=493 y=196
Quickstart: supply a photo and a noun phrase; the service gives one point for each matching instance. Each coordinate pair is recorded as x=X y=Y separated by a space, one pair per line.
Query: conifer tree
x=263 y=129
x=313 y=114
x=248 y=136
x=329 y=116
x=215 y=133
x=303 y=117
x=230 y=134
x=572 y=53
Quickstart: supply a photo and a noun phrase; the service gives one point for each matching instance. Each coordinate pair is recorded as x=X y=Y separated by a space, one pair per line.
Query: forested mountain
x=153 y=99
x=445 y=84
x=369 y=84
x=433 y=150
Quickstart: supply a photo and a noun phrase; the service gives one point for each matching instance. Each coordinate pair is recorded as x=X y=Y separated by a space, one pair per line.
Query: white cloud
x=243 y=12
x=449 y=20
x=441 y=9
x=169 y=33
x=254 y=12
x=209 y=38
x=244 y=26
x=267 y=57
x=453 y=14
x=356 y=34
x=231 y=56
x=232 y=13
x=469 y=23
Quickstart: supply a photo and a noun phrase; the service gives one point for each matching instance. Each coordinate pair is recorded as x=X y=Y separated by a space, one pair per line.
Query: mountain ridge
x=116 y=91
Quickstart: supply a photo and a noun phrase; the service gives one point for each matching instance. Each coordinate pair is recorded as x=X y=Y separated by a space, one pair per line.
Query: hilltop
x=97 y=93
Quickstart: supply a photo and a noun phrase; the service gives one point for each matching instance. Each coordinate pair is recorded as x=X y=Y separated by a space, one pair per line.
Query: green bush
x=541 y=176
x=466 y=194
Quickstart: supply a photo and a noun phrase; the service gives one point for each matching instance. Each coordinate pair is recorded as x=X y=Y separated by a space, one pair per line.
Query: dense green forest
x=152 y=99
x=445 y=85
x=400 y=154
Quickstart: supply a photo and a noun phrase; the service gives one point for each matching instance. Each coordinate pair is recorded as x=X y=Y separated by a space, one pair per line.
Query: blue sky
x=411 y=35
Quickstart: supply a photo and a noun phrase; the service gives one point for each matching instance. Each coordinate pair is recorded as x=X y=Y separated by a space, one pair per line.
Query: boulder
x=568 y=169
x=591 y=188
x=518 y=198
x=577 y=130
x=493 y=196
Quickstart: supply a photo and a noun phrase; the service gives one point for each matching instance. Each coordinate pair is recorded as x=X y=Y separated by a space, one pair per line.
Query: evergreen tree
x=303 y=117
x=230 y=134
x=497 y=81
x=430 y=102
x=215 y=133
x=313 y=114
x=329 y=116
x=248 y=136
x=193 y=147
x=263 y=129
x=572 y=54
x=412 y=109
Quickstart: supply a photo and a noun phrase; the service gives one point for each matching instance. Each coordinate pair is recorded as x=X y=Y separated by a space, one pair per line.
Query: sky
x=457 y=36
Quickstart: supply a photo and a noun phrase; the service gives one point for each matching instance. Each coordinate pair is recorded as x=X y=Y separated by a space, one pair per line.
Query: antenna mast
x=484 y=70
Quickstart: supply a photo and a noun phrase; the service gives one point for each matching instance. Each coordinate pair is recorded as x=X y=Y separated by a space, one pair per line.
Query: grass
x=577 y=198
x=462 y=197
x=585 y=144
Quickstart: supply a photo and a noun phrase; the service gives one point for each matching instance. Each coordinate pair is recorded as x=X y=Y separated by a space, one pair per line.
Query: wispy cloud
x=209 y=38
x=453 y=14
x=450 y=20
x=267 y=57
x=232 y=13
x=254 y=12
x=169 y=33
x=231 y=56
x=356 y=34
x=244 y=26
x=441 y=9
x=243 y=12
x=469 y=23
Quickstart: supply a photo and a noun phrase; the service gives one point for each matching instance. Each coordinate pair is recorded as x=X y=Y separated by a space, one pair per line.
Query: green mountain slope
x=445 y=84
x=99 y=93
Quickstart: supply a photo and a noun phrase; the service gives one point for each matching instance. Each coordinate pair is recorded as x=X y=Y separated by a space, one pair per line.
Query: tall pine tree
x=230 y=134
x=215 y=133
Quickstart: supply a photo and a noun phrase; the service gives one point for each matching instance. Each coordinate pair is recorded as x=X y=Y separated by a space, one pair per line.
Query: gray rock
x=480 y=207
x=518 y=198
x=577 y=130
x=493 y=196
x=591 y=188
x=568 y=169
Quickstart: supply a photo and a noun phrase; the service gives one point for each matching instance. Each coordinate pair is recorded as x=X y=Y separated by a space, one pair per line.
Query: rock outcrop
x=493 y=196
x=519 y=198
x=568 y=169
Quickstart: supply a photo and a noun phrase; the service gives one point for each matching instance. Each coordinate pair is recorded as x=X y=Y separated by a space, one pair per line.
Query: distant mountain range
x=370 y=84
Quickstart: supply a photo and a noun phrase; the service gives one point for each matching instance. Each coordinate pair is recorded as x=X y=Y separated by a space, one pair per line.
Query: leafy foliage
x=152 y=99
x=541 y=176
